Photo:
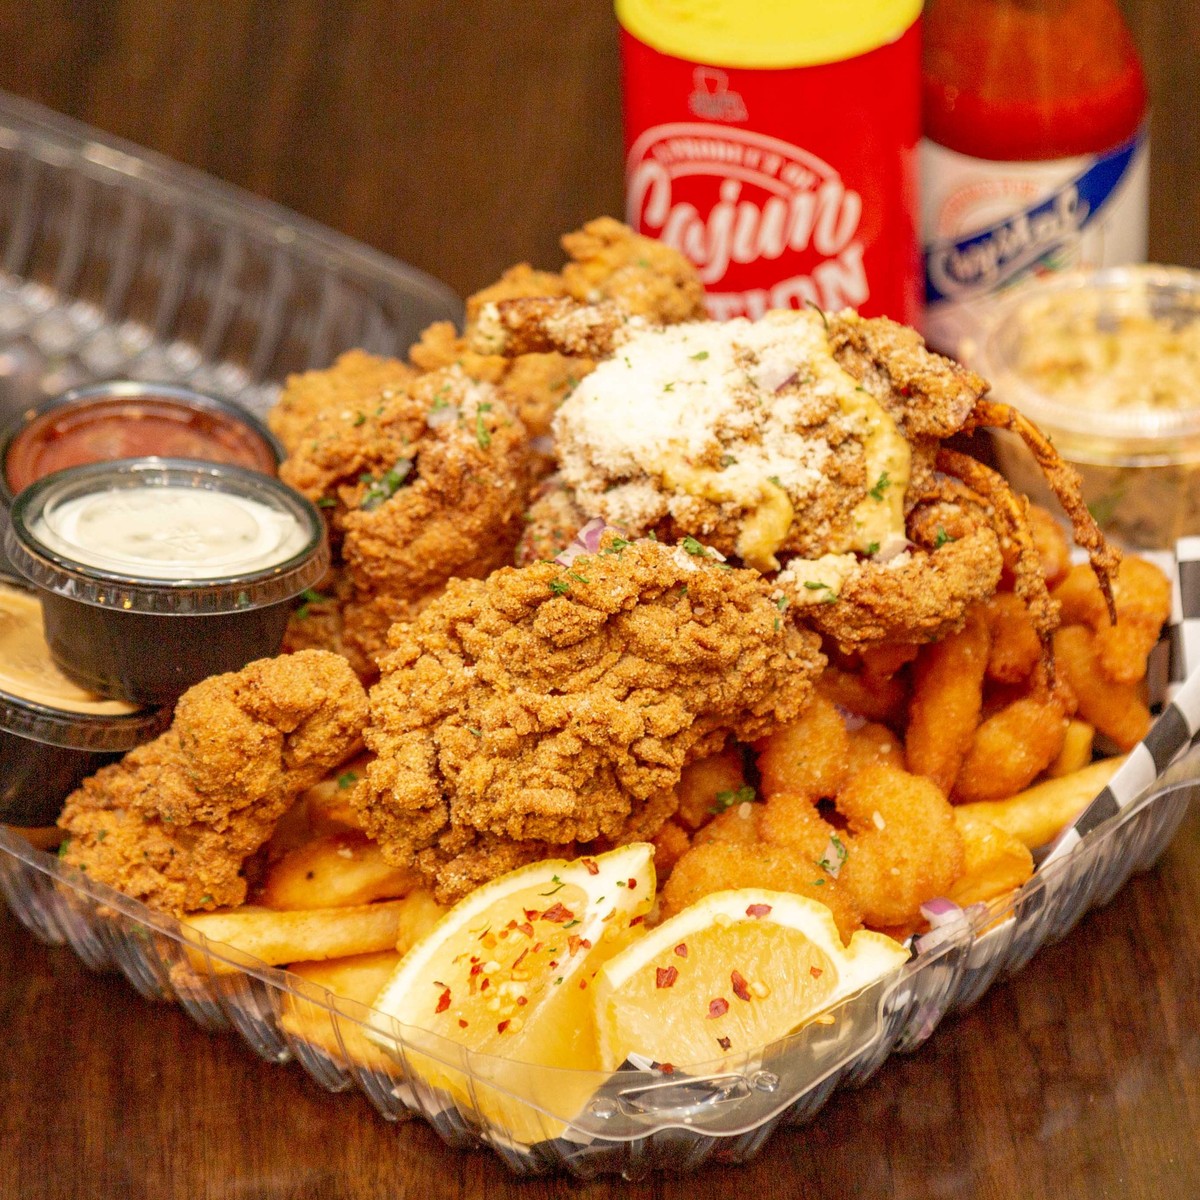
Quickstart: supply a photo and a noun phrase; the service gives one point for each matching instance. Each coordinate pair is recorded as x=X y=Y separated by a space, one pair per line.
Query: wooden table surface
x=462 y=138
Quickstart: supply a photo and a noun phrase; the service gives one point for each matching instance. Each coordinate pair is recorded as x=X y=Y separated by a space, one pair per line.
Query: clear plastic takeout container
x=116 y=262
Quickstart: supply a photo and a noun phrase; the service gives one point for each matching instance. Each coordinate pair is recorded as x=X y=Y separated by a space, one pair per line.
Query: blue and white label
x=987 y=226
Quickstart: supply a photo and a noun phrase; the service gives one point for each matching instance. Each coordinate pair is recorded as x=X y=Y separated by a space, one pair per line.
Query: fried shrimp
x=903 y=846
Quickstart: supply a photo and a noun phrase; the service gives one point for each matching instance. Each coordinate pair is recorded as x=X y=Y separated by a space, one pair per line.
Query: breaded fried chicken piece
x=551 y=704
x=311 y=400
x=424 y=484
x=172 y=823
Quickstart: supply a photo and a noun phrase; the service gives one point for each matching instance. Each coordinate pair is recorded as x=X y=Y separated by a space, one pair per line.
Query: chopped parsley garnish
x=668 y=387
x=815 y=585
x=477 y=732
x=206 y=898
x=559 y=586
x=700 y=356
x=482 y=436
x=727 y=460
x=819 y=310
x=308 y=596
x=781 y=603
x=327 y=502
x=347 y=779
x=730 y=797
x=881 y=485
x=942 y=538
x=616 y=546
x=775 y=480
x=386 y=486
x=692 y=546
x=555 y=880
x=872 y=547
x=360 y=419
x=581 y=578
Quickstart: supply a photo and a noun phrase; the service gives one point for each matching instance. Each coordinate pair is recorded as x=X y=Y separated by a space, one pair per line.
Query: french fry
x=1036 y=815
x=328 y=802
x=336 y=869
x=995 y=861
x=361 y=979
x=276 y=938
x=1077 y=749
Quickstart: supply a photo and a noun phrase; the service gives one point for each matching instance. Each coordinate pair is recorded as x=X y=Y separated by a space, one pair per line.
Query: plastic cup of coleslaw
x=1107 y=364
x=155 y=573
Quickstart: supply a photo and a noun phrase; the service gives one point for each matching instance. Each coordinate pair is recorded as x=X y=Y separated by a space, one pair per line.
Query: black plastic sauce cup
x=146 y=638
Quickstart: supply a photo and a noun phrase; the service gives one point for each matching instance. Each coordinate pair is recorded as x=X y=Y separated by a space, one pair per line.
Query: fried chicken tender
x=553 y=704
x=172 y=823
x=315 y=399
x=422 y=484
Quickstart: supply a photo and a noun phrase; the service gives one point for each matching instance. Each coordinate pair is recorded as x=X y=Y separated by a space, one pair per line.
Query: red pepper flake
x=583 y=983
x=681 y=949
x=631 y=884
x=591 y=866
x=476 y=967
x=522 y=1001
x=636 y=920
x=526 y=929
x=740 y=988
x=517 y=960
x=512 y=924
x=573 y=943
x=501 y=1026
x=531 y=914
x=461 y=1023
x=718 y=1007
x=724 y=1043
x=667 y=1068
x=758 y=910
x=665 y=977
x=487 y=983
x=558 y=913
x=443 y=1001
x=815 y=972
x=537 y=946
x=553 y=963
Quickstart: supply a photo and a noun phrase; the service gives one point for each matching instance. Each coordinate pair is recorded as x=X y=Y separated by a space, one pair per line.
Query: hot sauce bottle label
x=784 y=187
x=987 y=226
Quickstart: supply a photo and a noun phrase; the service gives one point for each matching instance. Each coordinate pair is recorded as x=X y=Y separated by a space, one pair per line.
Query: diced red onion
x=586 y=541
x=940 y=911
x=946 y=920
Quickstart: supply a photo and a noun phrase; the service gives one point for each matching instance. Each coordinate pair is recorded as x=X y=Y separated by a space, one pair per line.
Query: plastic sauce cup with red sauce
x=127 y=419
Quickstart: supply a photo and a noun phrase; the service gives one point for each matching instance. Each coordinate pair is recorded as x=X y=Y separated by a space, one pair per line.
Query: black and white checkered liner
x=1178 y=725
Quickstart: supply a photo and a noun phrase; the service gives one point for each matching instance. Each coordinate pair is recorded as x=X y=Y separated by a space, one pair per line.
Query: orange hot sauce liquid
x=1025 y=80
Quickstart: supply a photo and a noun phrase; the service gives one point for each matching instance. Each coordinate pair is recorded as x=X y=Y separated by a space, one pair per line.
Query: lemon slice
x=729 y=974
x=508 y=973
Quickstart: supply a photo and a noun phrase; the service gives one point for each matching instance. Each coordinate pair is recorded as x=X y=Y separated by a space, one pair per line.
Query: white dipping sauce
x=171 y=532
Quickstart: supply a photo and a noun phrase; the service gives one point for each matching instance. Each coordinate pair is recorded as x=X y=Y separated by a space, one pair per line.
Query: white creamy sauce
x=171 y=532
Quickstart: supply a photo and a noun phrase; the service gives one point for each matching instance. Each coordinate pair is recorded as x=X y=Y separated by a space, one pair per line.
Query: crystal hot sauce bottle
x=1035 y=154
x=773 y=142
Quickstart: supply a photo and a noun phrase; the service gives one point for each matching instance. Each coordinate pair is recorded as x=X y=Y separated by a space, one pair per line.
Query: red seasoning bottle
x=1034 y=156
x=773 y=142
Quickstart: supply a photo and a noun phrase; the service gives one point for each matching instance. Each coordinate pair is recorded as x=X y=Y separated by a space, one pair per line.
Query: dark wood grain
x=462 y=138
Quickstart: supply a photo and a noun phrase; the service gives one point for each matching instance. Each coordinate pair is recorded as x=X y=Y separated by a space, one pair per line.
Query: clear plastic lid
x=167 y=536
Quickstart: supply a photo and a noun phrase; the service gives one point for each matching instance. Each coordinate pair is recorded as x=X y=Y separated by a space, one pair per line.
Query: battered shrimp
x=807 y=756
x=903 y=846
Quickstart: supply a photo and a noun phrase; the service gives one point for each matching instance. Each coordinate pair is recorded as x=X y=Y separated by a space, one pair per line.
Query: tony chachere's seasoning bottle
x=1035 y=155
x=774 y=143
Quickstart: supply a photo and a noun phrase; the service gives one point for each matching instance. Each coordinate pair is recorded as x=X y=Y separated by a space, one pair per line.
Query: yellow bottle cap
x=766 y=33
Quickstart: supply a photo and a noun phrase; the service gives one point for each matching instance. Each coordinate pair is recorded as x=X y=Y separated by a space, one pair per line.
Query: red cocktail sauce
x=96 y=430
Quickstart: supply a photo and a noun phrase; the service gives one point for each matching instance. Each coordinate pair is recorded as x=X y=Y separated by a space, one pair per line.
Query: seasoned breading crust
x=552 y=705
x=314 y=398
x=172 y=823
x=421 y=485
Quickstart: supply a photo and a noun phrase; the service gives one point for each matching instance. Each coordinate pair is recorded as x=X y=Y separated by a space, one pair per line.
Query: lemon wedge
x=507 y=973
x=729 y=974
